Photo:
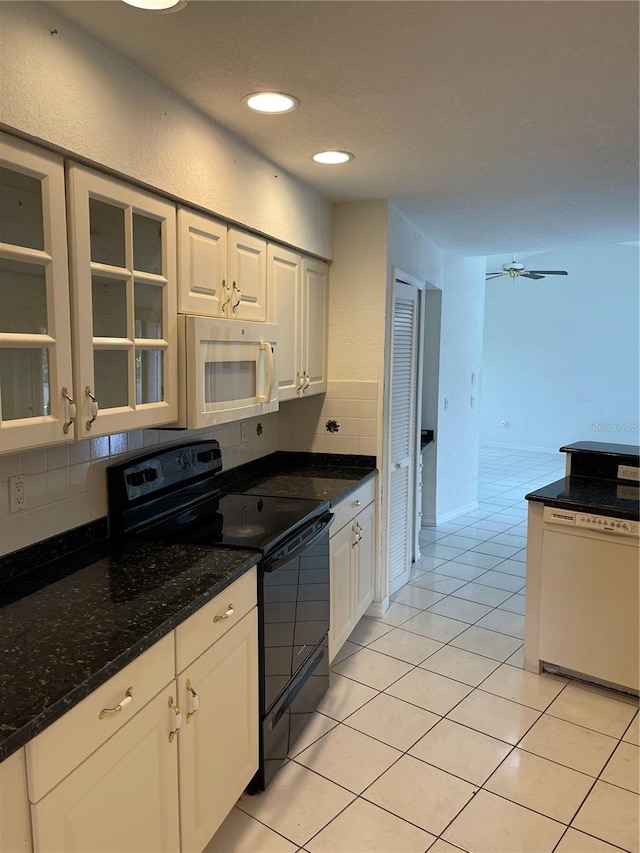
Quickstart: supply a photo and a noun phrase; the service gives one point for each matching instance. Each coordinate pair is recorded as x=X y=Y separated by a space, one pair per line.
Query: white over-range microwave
x=228 y=370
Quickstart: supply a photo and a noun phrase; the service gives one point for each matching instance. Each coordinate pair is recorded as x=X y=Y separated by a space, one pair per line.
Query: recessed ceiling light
x=332 y=157
x=158 y=5
x=271 y=102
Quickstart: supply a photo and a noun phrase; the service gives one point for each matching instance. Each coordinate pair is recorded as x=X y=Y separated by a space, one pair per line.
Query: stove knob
x=150 y=474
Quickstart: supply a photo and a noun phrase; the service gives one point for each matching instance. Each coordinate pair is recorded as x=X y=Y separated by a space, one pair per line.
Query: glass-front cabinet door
x=35 y=341
x=123 y=263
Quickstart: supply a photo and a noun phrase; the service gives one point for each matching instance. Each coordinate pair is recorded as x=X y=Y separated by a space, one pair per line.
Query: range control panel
x=599 y=523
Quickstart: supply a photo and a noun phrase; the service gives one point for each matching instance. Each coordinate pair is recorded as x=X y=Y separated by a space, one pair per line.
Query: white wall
x=561 y=355
x=86 y=100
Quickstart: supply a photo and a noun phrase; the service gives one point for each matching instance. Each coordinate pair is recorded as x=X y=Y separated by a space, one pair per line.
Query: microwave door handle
x=266 y=347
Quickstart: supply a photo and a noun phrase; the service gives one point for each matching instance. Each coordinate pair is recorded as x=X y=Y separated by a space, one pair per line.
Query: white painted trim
x=535 y=448
x=430 y=521
x=377 y=608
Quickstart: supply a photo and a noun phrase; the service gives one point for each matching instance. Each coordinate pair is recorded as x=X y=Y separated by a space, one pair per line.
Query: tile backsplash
x=344 y=420
x=65 y=485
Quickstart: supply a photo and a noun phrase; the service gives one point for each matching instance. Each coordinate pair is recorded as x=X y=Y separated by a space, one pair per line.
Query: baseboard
x=433 y=521
x=532 y=447
x=377 y=608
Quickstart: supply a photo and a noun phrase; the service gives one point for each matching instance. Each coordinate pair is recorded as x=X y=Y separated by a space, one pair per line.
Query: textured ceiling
x=495 y=126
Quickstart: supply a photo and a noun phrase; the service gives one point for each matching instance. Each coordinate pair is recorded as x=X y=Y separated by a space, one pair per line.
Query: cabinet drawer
x=56 y=751
x=196 y=634
x=350 y=506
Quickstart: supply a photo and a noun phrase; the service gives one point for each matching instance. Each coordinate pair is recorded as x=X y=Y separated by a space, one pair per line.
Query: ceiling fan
x=516 y=270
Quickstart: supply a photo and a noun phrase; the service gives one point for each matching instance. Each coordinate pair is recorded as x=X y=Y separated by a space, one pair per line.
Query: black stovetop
x=237 y=520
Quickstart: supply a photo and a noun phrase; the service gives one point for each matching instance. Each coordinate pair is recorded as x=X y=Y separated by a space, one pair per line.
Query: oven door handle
x=277 y=563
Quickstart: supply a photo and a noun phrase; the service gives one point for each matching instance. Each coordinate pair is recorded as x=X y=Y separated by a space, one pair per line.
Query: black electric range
x=174 y=495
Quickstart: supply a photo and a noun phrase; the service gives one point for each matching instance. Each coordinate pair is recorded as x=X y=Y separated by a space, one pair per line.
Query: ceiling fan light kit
x=517 y=270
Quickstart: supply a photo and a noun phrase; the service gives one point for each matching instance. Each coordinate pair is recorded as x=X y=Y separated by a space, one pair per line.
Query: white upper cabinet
x=298 y=298
x=202 y=256
x=35 y=339
x=315 y=300
x=248 y=276
x=284 y=278
x=123 y=263
x=222 y=270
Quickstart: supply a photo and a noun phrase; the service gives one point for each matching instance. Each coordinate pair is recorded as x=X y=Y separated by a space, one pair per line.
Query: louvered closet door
x=404 y=371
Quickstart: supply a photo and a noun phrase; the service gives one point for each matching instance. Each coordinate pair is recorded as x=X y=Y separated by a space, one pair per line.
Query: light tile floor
x=433 y=737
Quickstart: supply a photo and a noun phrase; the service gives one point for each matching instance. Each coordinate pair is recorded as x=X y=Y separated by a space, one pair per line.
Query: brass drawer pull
x=177 y=719
x=128 y=699
x=226 y=615
x=194 y=701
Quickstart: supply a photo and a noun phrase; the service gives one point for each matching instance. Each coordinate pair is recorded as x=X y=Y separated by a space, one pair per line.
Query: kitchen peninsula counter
x=73 y=613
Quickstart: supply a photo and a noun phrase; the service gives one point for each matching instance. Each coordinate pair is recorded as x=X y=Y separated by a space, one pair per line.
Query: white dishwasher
x=582 y=596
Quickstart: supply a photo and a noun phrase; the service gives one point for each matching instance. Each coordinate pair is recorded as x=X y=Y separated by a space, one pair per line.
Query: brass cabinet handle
x=355 y=503
x=93 y=406
x=128 y=699
x=194 y=701
x=229 y=612
x=177 y=719
x=226 y=293
x=234 y=305
x=71 y=410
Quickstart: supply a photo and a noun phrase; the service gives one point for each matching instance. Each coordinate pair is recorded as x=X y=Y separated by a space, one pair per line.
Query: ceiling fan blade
x=550 y=272
x=491 y=275
x=531 y=274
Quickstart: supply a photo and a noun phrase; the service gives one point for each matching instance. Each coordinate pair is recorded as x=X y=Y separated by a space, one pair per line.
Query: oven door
x=229 y=370
x=294 y=588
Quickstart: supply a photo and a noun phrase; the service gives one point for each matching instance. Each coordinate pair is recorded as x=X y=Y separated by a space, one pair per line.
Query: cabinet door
x=15 y=820
x=123 y=261
x=219 y=740
x=283 y=286
x=35 y=337
x=315 y=294
x=341 y=621
x=247 y=265
x=202 y=276
x=124 y=797
x=365 y=554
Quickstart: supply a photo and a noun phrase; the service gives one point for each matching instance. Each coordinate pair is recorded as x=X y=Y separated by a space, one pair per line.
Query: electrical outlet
x=628 y=472
x=17 y=497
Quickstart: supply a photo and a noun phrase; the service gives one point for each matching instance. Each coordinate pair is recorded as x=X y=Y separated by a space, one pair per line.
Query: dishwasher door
x=589 y=605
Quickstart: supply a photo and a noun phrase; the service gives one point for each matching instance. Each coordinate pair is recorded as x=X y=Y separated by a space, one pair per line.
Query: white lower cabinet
x=147 y=764
x=353 y=563
x=15 y=821
x=219 y=739
x=124 y=797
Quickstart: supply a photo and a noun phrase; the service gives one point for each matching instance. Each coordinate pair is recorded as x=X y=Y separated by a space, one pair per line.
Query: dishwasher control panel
x=599 y=523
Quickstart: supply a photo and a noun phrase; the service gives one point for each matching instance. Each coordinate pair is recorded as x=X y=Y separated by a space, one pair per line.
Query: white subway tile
x=10 y=465
x=368 y=446
x=12 y=533
x=98 y=474
x=34 y=461
x=38 y=524
x=80 y=451
x=368 y=409
x=350 y=426
x=135 y=439
x=350 y=444
x=350 y=408
x=57 y=457
x=151 y=438
x=79 y=479
x=368 y=390
x=100 y=447
x=368 y=427
x=118 y=443
x=35 y=491
x=57 y=485
x=98 y=502
x=4 y=500
x=79 y=510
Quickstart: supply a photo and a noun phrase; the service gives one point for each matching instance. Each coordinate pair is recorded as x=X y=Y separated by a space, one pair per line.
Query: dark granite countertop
x=59 y=643
x=590 y=494
x=72 y=616
x=630 y=450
